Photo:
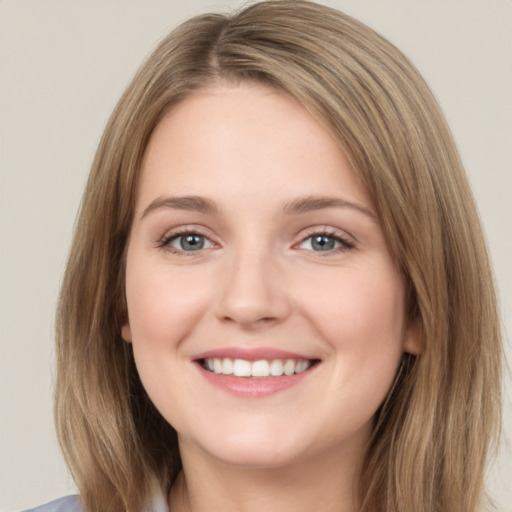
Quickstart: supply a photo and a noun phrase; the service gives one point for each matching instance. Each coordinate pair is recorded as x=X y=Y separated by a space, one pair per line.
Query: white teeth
x=289 y=367
x=260 y=368
x=302 y=366
x=276 y=368
x=227 y=366
x=242 y=368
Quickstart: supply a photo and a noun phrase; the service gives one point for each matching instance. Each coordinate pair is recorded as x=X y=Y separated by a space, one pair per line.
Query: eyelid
x=177 y=237
x=163 y=242
x=348 y=241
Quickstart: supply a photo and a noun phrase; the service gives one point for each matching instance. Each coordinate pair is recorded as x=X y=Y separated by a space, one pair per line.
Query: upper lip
x=250 y=354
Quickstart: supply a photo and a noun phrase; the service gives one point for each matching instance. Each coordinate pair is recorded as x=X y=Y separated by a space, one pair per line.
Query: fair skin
x=253 y=241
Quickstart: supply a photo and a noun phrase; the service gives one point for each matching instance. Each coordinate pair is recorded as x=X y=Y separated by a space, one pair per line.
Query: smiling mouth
x=263 y=368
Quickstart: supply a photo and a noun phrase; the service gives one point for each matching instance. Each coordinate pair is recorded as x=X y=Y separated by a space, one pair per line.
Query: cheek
x=162 y=304
x=361 y=315
x=363 y=320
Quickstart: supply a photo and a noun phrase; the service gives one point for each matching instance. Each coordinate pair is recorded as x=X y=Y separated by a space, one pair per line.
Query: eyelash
x=165 y=241
x=344 y=241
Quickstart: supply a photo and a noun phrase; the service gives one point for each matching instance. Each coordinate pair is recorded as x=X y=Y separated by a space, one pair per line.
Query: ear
x=414 y=340
x=126 y=332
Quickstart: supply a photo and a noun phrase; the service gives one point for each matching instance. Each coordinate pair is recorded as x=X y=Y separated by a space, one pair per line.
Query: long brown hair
x=431 y=438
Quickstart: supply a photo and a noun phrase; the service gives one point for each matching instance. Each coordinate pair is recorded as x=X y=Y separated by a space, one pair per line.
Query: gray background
x=63 y=65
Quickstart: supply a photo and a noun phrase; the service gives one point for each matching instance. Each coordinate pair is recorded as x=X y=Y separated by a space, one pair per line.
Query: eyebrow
x=313 y=203
x=298 y=206
x=190 y=203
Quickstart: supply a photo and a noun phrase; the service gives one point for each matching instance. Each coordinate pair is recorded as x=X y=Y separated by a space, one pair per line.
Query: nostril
x=250 y=321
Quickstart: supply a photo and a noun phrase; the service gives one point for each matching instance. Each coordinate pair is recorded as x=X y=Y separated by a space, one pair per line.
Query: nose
x=251 y=292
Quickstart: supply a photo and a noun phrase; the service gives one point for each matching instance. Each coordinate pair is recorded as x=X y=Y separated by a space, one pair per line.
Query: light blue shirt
x=72 y=504
x=66 y=504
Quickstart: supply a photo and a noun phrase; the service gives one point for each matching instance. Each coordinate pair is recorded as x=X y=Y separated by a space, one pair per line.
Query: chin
x=256 y=457
x=253 y=449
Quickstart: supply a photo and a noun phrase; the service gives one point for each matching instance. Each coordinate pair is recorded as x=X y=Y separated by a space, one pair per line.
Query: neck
x=326 y=482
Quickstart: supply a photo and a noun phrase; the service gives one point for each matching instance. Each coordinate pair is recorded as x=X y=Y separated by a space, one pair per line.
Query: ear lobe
x=414 y=340
x=126 y=333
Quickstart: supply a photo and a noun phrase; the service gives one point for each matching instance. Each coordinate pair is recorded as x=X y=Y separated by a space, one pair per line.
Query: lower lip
x=254 y=387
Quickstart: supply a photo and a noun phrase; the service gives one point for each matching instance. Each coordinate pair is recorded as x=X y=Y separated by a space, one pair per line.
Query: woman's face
x=255 y=250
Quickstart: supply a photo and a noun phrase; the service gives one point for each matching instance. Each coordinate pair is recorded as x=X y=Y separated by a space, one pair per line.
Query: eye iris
x=191 y=242
x=322 y=243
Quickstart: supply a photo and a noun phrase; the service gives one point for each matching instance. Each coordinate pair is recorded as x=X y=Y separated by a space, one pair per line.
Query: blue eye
x=322 y=242
x=189 y=242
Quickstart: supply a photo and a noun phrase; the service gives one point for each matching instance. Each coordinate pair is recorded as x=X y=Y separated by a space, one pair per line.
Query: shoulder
x=65 y=504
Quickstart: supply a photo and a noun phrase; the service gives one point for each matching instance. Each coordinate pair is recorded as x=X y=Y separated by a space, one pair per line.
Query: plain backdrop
x=63 y=65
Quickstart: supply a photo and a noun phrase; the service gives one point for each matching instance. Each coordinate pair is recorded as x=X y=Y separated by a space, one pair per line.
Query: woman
x=278 y=295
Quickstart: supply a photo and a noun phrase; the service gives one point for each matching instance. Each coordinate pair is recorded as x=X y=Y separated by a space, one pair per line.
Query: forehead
x=242 y=138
